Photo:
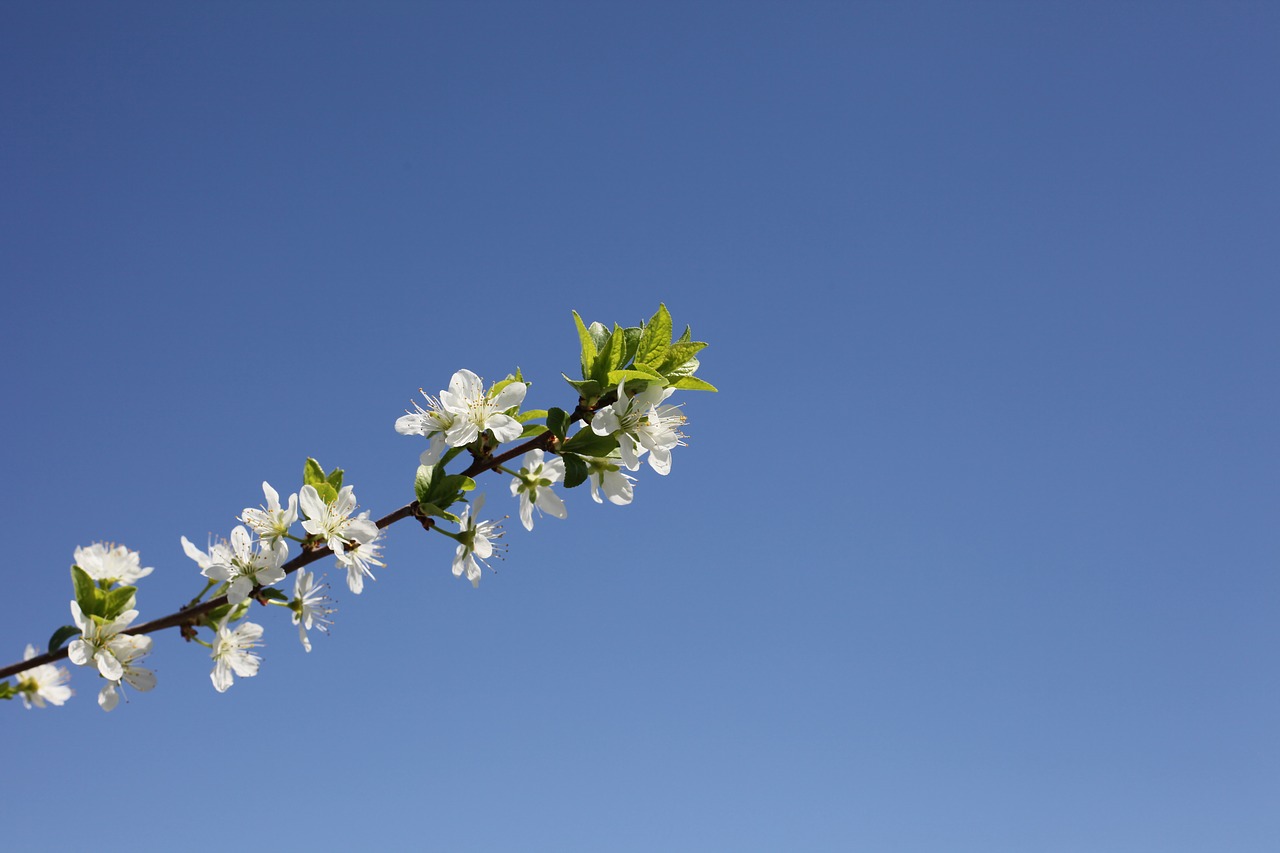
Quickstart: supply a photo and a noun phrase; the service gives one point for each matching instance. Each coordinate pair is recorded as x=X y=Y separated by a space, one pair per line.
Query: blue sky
x=975 y=550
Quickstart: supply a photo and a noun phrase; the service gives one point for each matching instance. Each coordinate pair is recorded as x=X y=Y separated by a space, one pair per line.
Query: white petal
x=108 y=698
x=109 y=666
x=511 y=395
x=78 y=652
x=526 y=513
x=550 y=503
x=142 y=679
x=309 y=498
x=221 y=676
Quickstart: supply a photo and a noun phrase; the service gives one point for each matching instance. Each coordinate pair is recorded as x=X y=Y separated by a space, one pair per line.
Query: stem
x=191 y=614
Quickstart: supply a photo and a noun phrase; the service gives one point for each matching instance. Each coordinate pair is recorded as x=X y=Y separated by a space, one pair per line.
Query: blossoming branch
x=621 y=419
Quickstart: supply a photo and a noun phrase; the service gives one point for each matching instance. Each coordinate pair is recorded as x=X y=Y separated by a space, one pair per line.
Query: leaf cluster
x=326 y=485
x=643 y=355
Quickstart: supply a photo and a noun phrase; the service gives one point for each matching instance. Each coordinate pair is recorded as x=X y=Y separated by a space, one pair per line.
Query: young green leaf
x=587 y=443
x=118 y=601
x=312 y=473
x=335 y=479
x=692 y=383
x=588 y=346
x=557 y=422
x=630 y=344
x=616 y=376
x=60 y=636
x=655 y=338
x=588 y=389
x=679 y=354
x=575 y=470
x=86 y=592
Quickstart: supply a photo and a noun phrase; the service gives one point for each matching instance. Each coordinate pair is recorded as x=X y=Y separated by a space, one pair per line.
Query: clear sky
x=975 y=550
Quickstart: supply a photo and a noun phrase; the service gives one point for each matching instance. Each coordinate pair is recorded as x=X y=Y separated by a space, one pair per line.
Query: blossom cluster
x=622 y=419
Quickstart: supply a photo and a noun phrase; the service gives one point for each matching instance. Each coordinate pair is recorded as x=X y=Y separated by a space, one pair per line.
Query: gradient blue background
x=976 y=549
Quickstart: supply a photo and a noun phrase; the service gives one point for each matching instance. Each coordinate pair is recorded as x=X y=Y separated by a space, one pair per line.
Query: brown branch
x=191 y=614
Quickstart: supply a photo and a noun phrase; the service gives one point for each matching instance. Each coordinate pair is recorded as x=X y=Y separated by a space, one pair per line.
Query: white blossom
x=242 y=563
x=605 y=473
x=271 y=523
x=432 y=422
x=128 y=649
x=310 y=606
x=94 y=643
x=533 y=485
x=642 y=425
x=475 y=411
x=363 y=551
x=107 y=561
x=333 y=522
x=475 y=542
x=44 y=683
x=233 y=653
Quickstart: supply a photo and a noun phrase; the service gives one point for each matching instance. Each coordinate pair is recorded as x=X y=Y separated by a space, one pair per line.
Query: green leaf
x=599 y=335
x=686 y=337
x=678 y=354
x=601 y=367
x=312 y=473
x=432 y=509
x=588 y=389
x=587 y=443
x=575 y=470
x=588 y=346
x=422 y=482
x=530 y=430
x=60 y=636
x=689 y=368
x=86 y=592
x=530 y=414
x=327 y=493
x=630 y=343
x=616 y=376
x=692 y=383
x=435 y=488
x=118 y=601
x=450 y=455
x=617 y=348
x=335 y=479
x=655 y=338
x=558 y=422
x=272 y=594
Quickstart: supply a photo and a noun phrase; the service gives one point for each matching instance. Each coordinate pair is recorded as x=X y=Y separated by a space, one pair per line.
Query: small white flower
x=128 y=648
x=533 y=485
x=642 y=425
x=241 y=564
x=233 y=653
x=333 y=522
x=94 y=643
x=107 y=561
x=44 y=683
x=475 y=411
x=219 y=554
x=432 y=422
x=310 y=606
x=363 y=551
x=606 y=473
x=271 y=523
x=475 y=542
